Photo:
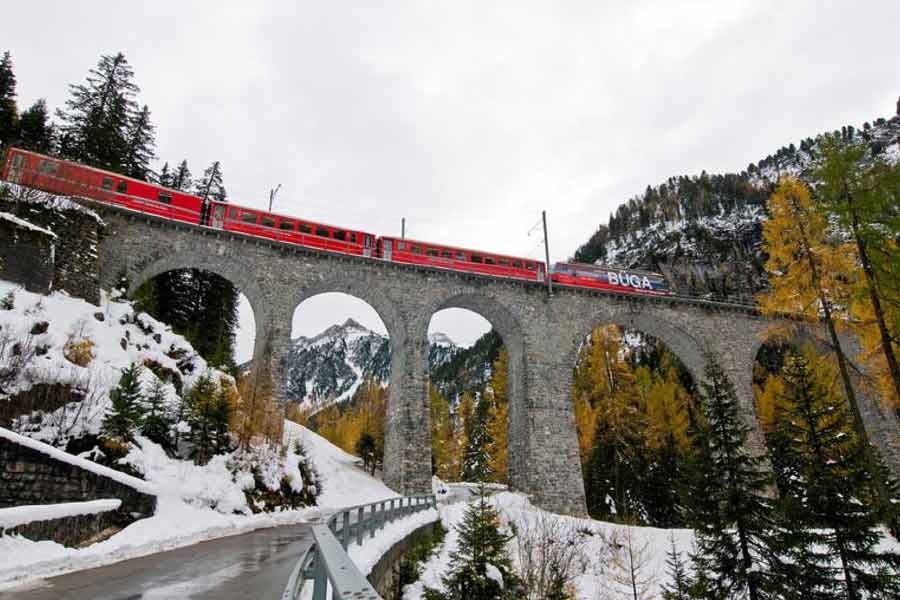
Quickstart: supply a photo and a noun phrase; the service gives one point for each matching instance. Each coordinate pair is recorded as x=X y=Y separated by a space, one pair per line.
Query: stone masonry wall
x=30 y=477
x=26 y=256
x=78 y=231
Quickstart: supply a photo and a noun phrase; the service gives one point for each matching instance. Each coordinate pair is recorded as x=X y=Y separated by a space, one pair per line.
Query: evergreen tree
x=199 y=413
x=221 y=413
x=312 y=482
x=165 y=176
x=35 y=130
x=732 y=558
x=679 y=587
x=126 y=415
x=182 y=178
x=141 y=141
x=157 y=424
x=210 y=186
x=365 y=449
x=830 y=514
x=480 y=559
x=99 y=114
x=9 y=114
x=476 y=458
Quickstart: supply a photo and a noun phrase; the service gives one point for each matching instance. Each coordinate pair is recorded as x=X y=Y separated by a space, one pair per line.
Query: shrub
x=8 y=302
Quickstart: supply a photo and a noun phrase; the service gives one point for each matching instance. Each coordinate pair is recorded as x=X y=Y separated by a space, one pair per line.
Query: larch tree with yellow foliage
x=808 y=274
x=498 y=424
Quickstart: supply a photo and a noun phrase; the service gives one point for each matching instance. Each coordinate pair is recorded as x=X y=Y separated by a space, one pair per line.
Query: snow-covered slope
x=180 y=523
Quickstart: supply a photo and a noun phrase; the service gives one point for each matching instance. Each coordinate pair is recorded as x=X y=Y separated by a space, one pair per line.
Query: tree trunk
x=886 y=344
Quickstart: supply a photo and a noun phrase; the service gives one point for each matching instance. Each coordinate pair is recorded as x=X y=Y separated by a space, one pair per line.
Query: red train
x=72 y=179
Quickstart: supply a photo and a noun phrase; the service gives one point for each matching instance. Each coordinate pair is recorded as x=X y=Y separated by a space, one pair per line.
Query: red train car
x=67 y=178
x=459 y=259
x=232 y=217
x=607 y=278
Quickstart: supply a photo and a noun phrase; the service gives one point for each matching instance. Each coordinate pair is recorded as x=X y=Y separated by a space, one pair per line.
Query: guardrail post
x=320 y=579
x=345 y=530
x=359 y=525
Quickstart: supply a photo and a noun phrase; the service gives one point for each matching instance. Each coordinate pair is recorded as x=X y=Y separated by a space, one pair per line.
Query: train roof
x=488 y=252
x=594 y=267
x=281 y=216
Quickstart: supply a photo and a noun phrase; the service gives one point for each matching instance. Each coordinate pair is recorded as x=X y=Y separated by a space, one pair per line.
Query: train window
x=248 y=217
x=304 y=228
x=107 y=183
x=321 y=232
x=529 y=266
x=339 y=235
x=431 y=252
x=48 y=167
x=268 y=221
x=353 y=237
x=476 y=259
x=504 y=262
x=122 y=187
x=232 y=213
x=517 y=264
x=488 y=260
x=416 y=249
x=165 y=198
x=446 y=254
x=460 y=255
x=401 y=245
x=286 y=225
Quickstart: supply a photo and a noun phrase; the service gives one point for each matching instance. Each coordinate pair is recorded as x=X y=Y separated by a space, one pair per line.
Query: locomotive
x=68 y=178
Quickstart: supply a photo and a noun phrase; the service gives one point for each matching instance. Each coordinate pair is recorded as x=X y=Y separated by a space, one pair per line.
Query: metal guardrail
x=327 y=562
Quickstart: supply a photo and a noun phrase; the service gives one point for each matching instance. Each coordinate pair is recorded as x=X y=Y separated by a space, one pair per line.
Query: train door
x=540 y=272
x=16 y=168
x=218 y=218
x=386 y=247
x=368 y=244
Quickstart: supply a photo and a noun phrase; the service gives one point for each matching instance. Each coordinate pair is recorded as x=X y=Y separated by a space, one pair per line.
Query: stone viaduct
x=542 y=335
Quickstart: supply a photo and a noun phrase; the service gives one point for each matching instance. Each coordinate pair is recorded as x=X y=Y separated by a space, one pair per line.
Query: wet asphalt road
x=254 y=565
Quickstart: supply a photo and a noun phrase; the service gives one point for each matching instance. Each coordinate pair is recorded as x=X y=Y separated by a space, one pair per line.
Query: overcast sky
x=470 y=118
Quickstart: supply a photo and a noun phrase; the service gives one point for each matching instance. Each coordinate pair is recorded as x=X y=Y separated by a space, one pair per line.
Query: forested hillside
x=704 y=232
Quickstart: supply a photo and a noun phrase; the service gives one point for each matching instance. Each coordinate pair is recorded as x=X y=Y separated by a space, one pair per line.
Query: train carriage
x=460 y=259
x=292 y=230
x=608 y=278
x=58 y=176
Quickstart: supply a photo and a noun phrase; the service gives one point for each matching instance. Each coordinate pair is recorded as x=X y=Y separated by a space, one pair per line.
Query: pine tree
x=182 y=178
x=830 y=513
x=476 y=459
x=157 y=425
x=481 y=555
x=9 y=114
x=732 y=558
x=165 y=176
x=222 y=411
x=126 y=415
x=210 y=186
x=199 y=413
x=35 y=130
x=312 y=482
x=141 y=141
x=679 y=587
x=99 y=114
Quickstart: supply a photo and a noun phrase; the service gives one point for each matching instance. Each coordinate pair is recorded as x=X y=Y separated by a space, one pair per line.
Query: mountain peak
x=441 y=339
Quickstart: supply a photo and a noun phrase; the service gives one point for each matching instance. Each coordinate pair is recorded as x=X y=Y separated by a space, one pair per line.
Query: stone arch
x=881 y=425
x=239 y=275
x=506 y=323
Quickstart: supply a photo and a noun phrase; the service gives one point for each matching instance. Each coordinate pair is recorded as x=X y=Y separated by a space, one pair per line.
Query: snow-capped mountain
x=330 y=366
x=704 y=233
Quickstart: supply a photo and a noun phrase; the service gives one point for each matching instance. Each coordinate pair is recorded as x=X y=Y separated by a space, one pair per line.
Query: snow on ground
x=185 y=514
x=601 y=574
